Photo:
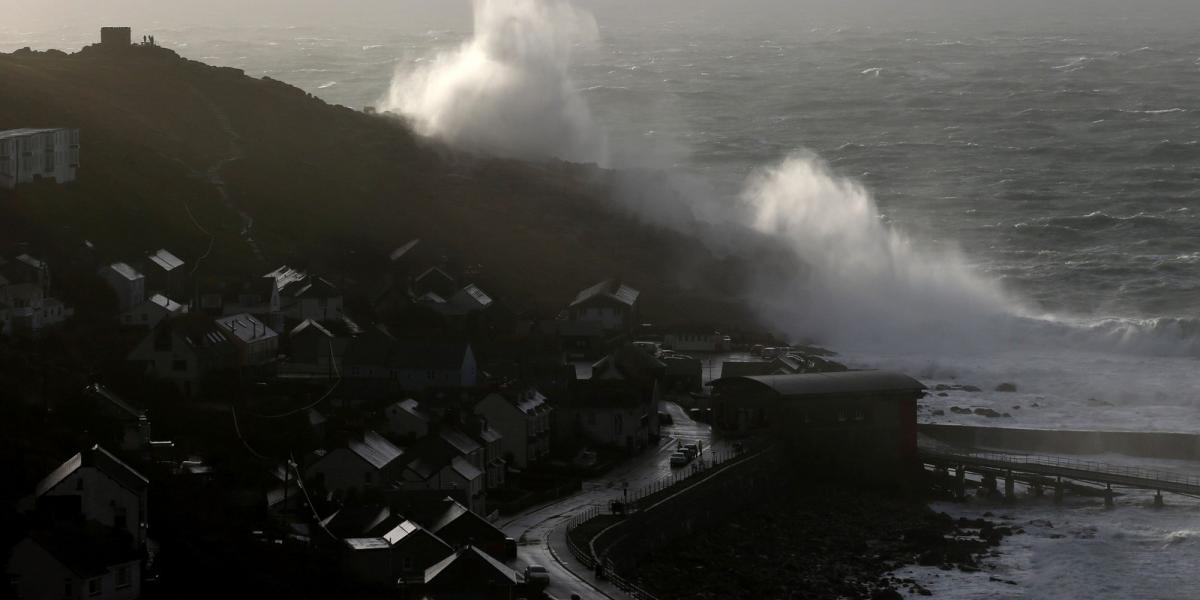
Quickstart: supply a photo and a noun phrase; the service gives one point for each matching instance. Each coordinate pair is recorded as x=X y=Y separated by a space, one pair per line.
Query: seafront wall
x=1144 y=444
x=702 y=502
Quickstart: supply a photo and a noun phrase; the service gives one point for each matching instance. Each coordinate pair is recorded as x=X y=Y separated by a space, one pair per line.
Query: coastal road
x=541 y=533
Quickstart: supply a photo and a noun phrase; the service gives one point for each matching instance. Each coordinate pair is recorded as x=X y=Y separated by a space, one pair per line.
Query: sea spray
x=506 y=90
x=867 y=282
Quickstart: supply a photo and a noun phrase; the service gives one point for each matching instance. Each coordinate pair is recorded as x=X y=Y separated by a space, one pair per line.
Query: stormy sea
x=984 y=208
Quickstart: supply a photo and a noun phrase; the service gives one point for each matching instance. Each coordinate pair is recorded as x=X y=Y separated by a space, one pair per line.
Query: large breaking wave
x=506 y=90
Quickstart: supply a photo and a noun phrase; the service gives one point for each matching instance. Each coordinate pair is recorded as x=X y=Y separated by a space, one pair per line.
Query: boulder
x=1006 y=387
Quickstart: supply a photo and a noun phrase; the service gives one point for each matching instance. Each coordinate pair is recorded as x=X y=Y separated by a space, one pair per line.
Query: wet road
x=540 y=531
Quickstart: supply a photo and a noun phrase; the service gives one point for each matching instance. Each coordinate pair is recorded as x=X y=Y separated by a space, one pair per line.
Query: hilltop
x=174 y=150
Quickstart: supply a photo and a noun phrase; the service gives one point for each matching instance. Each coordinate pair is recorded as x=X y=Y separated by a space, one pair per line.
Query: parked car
x=664 y=418
x=510 y=548
x=537 y=575
x=585 y=459
x=678 y=459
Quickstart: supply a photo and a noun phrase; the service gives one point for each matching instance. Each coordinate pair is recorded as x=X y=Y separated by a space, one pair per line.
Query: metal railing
x=1081 y=469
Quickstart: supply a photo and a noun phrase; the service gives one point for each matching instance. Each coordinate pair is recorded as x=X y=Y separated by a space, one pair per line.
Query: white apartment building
x=29 y=154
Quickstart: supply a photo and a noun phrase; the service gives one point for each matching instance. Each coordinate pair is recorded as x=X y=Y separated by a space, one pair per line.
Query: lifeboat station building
x=865 y=420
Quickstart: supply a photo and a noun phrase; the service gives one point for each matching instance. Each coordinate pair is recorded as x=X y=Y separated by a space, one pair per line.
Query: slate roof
x=246 y=328
x=411 y=407
x=459 y=440
x=400 y=252
x=361 y=521
x=609 y=289
x=125 y=271
x=627 y=362
x=100 y=459
x=470 y=297
x=167 y=304
x=826 y=384
x=104 y=394
x=310 y=326
x=432 y=271
x=164 y=260
x=471 y=563
x=375 y=449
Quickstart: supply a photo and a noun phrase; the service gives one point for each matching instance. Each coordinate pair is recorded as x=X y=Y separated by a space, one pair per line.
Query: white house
x=153 y=310
x=610 y=304
x=101 y=487
x=126 y=282
x=406 y=419
x=400 y=554
x=257 y=344
x=365 y=461
x=523 y=420
x=29 y=154
x=80 y=562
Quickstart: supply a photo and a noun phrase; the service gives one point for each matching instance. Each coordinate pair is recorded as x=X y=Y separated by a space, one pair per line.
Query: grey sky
x=420 y=15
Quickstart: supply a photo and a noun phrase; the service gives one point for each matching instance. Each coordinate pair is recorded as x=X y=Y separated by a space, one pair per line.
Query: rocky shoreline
x=820 y=541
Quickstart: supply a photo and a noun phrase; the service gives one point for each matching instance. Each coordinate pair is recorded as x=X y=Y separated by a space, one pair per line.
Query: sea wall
x=701 y=503
x=1146 y=444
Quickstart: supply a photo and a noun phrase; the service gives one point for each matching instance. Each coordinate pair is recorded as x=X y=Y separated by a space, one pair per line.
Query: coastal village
x=382 y=430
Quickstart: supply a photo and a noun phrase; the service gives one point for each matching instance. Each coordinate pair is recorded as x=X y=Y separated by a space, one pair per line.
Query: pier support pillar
x=1108 y=496
x=1037 y=489
x=960 y=482
x=989 y=483
x=1058 y=491
x=1009 y=488
x=1158 y=500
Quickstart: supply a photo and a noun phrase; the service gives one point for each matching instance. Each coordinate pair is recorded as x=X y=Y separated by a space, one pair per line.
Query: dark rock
x=960 y=411
x=886 y=594
x=987 y=412
x=939 y=412
x=943 y=394
x=1006 y=387
x=970 y=388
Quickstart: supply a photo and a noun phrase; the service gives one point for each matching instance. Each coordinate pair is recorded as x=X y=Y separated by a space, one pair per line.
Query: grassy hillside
x=173 y=150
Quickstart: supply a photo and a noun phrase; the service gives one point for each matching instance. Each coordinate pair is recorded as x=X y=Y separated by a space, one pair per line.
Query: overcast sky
x=420 y=15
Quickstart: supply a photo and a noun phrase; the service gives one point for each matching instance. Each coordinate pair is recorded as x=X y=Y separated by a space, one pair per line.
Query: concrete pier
x=1009 y=488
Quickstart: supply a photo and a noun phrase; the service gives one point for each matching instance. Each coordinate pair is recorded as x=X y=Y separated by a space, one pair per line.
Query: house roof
x=826 y=384
x=360 y=521
x=401 y=531
x=609 y=289
x=246 y=328
x=285 y=277
x=167 y=304
x=470 y=297
x=432 y=271
x=87 y=549
x=100 y=459
x=411 y=407
x=400 y=252
x=375 y=449
x=461 y=441
x=464 y=468
x=24 y=131
x=626 y=362
x=164 y=260
x=125 y=271
x=105 y=395
x=431 y=298
x=488 y=435
x=32 y=262
x=366 y=543
x=429 y=455
x=469 y=561
x=200 y=332
x=310 y=326
x=314 y=287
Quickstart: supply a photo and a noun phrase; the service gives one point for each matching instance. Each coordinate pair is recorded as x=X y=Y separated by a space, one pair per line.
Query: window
x=179 y=365
x=408 y=564
x=123 y=579
x=432 y=375
x=120 y=517
x=618 y=424
x=859 y=415
x=94 y=587
x=68 y=588
x=841 y=416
